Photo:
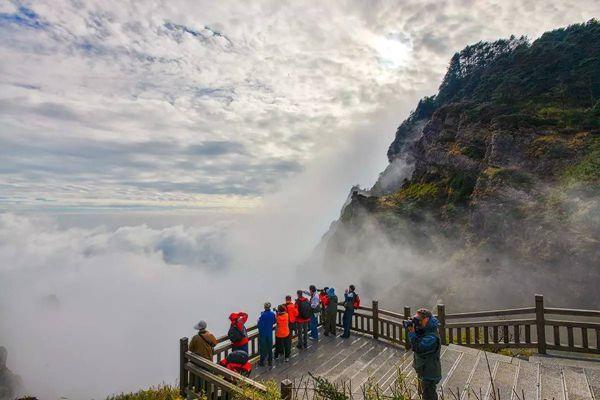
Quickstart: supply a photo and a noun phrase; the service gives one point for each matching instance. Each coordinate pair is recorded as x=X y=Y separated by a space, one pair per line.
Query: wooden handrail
x=391 y=314
x=574 y=324
x=492 y=313
x=490 y=323
x=222 y=371
x=222 y=383
x=574 y=312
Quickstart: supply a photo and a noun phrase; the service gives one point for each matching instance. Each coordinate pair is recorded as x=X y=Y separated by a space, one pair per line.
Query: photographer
x=426 y=344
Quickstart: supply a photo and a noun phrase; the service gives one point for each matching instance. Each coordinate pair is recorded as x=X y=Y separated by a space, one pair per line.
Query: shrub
x=161 y=392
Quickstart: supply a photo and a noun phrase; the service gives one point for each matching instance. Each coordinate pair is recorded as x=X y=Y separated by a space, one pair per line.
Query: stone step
x=504 y=380
x=593 y=379
x=454 y=384
x=581 y=362
x=527 y=385
x=576 y=383
x=551 y=382
x=479 y=382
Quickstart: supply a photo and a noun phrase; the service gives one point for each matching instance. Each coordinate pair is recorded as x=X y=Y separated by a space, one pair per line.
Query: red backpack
x=356 y=303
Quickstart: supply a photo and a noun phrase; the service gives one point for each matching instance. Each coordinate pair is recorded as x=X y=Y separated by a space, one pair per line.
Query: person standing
x=292 y=311
x=283 y=336
x=315 y=310
x=302 y=320
x=204 y=342
x=426 y=345
x=237 y=334
x=330 y=313
x=351 y=302
x=324 y=300
x=265 y=335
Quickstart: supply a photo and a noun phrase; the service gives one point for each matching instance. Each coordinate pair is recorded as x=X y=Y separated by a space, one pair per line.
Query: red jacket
x=239 y=368
x=239 y=319
x=324 y=299
x=292 y=311
x=298 y=319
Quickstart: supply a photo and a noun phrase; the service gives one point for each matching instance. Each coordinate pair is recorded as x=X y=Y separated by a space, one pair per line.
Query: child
x=283 y=336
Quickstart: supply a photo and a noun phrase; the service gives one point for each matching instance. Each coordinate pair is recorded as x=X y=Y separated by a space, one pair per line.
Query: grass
x=160 y=392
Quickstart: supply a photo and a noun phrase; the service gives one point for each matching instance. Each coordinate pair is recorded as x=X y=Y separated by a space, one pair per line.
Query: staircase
x=466 y=375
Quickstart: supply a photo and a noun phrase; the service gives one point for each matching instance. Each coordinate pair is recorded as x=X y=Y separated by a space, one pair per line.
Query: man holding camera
x=425 y=343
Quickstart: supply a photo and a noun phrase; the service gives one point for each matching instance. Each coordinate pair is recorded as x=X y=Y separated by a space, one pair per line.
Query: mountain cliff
x=492 y=191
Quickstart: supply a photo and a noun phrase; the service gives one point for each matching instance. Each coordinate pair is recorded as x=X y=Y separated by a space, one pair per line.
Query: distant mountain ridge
x=498 y=175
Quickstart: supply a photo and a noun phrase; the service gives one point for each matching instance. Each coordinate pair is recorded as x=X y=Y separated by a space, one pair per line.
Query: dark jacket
x=266 y=322
x=302 y=303
x=332 y=307
x=426 y=345
x=349 y=299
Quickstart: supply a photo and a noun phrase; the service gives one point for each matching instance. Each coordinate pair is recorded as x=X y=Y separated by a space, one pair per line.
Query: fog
x=94 y=303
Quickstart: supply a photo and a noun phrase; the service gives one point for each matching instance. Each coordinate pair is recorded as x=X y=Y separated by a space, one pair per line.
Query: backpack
x=304 y=310
x=356 y=303
x=234 y=334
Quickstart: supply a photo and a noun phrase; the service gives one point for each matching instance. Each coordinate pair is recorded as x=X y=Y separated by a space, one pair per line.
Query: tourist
x=283 y=336
x=330 y=312
x=204 y=342
x=302 y=319
x=351 y=302
x=237 y=334
x=426 y=344
x=265 y=335
x=324 y=300
x=237 y=361
x=292 y=312
x=316 y=309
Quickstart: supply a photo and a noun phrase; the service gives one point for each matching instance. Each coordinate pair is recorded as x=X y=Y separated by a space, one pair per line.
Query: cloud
x=280 y=84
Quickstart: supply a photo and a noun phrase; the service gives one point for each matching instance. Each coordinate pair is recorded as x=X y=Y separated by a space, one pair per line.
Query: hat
x=200 y=326
x=422 y=313
x=267 y=305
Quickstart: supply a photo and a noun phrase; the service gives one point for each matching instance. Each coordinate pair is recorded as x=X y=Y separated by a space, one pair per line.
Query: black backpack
x=304 y=310
x=234 y=334
x=237 y=357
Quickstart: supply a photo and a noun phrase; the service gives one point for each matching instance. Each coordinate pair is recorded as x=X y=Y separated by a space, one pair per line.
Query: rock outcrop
x=497 y=176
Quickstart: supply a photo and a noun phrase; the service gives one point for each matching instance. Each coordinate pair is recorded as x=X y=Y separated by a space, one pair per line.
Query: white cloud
x=284 y=81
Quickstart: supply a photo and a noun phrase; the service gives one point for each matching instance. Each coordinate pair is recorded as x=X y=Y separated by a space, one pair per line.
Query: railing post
x=183 y=374
x=286 y=389
x=375 y=319
x=540 y=323
x=406 y=316
x=441 y=316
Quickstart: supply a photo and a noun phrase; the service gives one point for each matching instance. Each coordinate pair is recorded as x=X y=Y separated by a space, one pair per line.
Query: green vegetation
x=249 y=392
x=588 y=169
x=510 y=176
x=161 y=392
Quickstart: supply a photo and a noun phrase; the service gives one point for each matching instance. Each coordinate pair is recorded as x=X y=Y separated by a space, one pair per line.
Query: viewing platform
x=377 y=357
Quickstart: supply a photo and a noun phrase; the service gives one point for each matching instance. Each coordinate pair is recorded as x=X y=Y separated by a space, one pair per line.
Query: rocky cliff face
x=492 y=191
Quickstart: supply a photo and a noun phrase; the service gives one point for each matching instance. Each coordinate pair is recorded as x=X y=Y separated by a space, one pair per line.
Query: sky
x=155 y=155
x=187 y=105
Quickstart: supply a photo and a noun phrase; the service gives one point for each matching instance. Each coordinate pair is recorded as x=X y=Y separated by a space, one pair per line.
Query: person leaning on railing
x=426 y=345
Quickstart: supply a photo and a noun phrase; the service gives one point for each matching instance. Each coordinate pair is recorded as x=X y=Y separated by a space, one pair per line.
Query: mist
x=94 y=303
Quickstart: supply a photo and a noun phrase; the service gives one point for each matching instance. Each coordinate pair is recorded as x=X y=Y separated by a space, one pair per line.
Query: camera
x=414 y=322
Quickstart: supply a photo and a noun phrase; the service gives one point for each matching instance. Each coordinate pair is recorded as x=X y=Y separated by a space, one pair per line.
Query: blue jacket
x=426 y=345
x=265 y=323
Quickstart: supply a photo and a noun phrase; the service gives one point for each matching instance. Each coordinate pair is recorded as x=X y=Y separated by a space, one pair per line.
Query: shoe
x=287 y=360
